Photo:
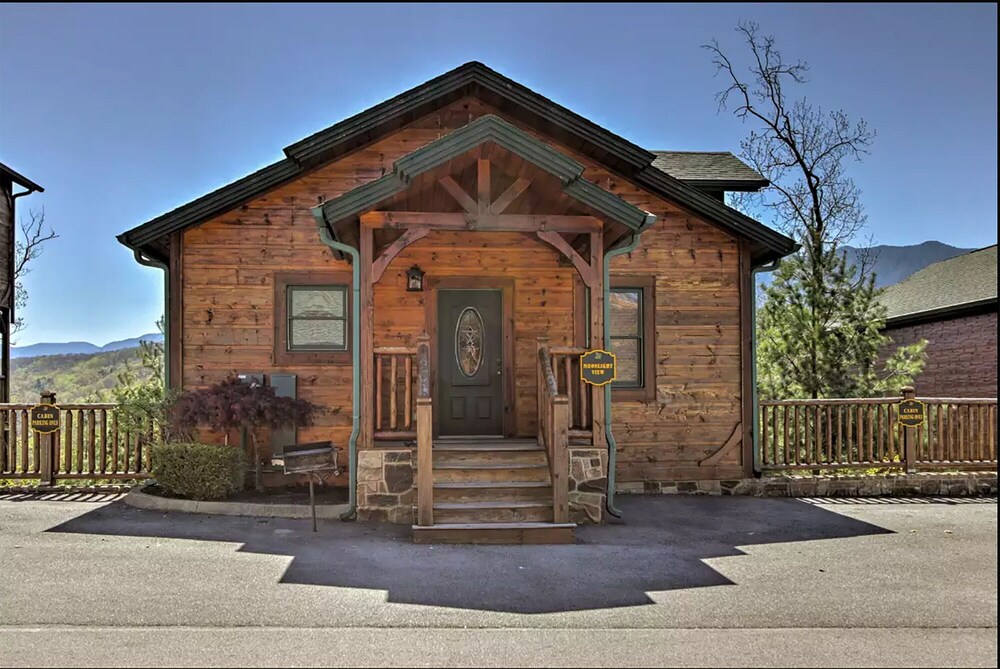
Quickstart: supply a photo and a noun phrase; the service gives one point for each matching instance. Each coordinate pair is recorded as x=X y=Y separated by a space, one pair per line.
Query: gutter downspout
x=149 y=262
x=352 y=445
x=608 y=432
x=755 y=408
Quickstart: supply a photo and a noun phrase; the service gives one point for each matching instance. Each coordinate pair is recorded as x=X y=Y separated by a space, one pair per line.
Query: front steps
x=492 y=491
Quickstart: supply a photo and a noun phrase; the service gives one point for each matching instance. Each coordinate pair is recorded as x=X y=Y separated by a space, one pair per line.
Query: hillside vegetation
x=86 y=377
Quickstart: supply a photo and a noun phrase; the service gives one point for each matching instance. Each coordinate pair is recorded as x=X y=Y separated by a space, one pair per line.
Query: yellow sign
x=598 y=368
x=911 y=413
x=44 y=418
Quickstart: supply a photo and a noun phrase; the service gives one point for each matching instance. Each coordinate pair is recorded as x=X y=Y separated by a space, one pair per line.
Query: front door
x=470 y=362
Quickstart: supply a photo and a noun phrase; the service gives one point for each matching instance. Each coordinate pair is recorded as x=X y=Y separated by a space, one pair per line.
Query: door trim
x=506 y=286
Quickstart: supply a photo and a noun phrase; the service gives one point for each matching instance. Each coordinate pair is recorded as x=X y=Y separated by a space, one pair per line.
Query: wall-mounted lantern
x=415 y=279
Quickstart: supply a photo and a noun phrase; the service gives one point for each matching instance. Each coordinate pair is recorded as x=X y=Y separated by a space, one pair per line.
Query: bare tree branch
x=28 y=246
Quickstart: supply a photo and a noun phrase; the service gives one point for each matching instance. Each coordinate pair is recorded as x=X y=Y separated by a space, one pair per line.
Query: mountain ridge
x=80 y=347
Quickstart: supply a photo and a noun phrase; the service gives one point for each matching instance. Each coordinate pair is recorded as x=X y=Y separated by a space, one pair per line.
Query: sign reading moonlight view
x=598 y=367
x=44 y=418
x=911 y=413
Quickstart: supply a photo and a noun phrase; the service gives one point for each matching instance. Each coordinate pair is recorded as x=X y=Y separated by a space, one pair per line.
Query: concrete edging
x=141 y=500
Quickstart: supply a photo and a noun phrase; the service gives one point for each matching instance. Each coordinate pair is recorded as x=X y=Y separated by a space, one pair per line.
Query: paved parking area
x=860 y=582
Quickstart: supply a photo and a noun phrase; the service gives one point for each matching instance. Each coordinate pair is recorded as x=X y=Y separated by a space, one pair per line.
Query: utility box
x=284 y=386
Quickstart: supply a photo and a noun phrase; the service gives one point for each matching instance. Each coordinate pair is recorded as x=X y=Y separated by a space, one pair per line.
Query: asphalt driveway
x=896 y=580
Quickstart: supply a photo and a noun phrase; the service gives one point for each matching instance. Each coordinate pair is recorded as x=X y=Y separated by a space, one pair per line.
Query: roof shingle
x=705 y=167
x=966 y=279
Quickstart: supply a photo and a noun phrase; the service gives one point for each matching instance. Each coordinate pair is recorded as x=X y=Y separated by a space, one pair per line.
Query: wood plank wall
x=228 y=326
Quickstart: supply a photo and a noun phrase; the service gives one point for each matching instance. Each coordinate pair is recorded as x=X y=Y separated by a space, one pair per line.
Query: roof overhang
x=485 y=129
x=971 y=308
x=21 y=180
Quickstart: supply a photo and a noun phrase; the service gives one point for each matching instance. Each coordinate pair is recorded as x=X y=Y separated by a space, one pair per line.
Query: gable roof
x=551 y=119
x=488 y=128
x=718 y=170
x=944 y=289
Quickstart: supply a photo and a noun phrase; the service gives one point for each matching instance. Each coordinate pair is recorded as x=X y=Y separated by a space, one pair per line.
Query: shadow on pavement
x=660 y=545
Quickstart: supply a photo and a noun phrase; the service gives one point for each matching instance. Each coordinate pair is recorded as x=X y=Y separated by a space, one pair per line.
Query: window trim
x=282 y=282
x=646 y=284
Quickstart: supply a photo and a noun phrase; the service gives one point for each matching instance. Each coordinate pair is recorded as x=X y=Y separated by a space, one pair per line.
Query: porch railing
x=89 y=444
x=425 y=434
x=395 y=405
x=566 y=367
x=554 y=415
x=958 y=433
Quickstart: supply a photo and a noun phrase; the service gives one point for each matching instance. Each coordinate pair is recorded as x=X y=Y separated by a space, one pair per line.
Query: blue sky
x=124 y=112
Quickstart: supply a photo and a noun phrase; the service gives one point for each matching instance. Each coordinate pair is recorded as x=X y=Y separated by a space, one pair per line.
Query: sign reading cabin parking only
x=44 y=418
x=911 y=413
x=598 y=368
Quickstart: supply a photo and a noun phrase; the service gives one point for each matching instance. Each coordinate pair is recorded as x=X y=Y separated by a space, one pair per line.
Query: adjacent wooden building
x=8 y=289
x=478 y=217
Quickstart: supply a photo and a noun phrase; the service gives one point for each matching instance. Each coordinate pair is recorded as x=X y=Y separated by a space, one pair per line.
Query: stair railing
x=553 y=431
x=425 y=431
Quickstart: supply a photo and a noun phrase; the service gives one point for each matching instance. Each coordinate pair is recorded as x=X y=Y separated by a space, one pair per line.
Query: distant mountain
x=82 y=377
x=892 y=264
x=895 y=263
x=79 y=347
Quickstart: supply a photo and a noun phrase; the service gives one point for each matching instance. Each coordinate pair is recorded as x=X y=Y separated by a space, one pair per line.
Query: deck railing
x=395 y=408
x=425 y=434
x=566 y=368
x=89 y=444
x=958 y=433
x=554 y=411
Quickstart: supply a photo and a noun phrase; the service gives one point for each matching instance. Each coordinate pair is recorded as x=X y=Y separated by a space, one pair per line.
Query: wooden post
x=597 y=332
x=909 y=437
x=560 y=459
x=542 y=342
x=425 y=436
x=47 y=446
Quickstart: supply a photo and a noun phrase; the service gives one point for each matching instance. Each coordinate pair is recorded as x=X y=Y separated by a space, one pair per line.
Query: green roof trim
x=484 y=129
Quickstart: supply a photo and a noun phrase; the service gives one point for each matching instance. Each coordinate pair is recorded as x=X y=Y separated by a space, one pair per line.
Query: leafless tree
x=27 y=247
x=800 y=148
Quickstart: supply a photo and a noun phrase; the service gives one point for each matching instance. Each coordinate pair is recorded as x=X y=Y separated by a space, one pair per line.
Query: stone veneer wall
x=385 y=486
x=588 y=484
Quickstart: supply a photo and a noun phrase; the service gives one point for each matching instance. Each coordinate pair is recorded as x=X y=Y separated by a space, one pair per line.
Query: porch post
x=597 y=331
x=367 y=317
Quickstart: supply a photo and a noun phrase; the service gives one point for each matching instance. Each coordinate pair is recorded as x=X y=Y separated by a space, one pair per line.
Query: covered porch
x=479 y=367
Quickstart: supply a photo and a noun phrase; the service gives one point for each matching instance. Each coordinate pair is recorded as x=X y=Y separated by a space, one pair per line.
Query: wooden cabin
x=478 y=215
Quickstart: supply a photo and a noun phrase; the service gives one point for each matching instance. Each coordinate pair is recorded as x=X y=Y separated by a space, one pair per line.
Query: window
x=632 y=310
x=317 y=318
x=312 y=317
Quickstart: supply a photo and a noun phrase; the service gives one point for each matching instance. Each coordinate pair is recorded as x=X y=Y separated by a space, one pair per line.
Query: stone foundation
x=385 y=486
x=959 y=484
x=588 y=485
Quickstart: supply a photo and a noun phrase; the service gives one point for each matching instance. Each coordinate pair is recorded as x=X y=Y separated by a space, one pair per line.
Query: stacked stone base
x=959 y=484
x=588 y=485
x=386 y=492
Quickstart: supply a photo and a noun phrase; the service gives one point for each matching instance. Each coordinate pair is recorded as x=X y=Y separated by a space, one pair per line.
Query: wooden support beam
x=559 y=242
x=394 y=249
x=490 y=222
x=508 y=196
x=485 y=184
x=459 y=194
x=367 y=338
x=597 y=333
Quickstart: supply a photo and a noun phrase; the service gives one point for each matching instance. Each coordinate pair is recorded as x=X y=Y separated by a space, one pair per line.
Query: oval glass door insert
x=469 y=337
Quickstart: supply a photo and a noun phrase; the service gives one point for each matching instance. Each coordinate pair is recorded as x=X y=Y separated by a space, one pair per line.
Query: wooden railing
x=958 y=433
x=88 y=445
x=395 y=407
x=553 y=430
x=566 y=366
x=425 y=432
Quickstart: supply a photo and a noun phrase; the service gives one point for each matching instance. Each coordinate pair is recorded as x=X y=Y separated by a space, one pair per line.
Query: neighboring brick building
x=953 y=305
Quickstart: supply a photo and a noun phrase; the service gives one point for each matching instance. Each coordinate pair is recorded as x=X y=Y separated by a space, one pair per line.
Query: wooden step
x=485 y=444
x=485 y=491
x=480 y=456
x=494 y=533
x=493 y=512
x=467 y=473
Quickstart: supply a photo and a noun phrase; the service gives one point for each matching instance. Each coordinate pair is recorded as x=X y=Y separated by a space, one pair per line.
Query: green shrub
x=199 y=471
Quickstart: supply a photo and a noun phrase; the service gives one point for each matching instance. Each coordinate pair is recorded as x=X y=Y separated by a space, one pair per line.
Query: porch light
x=415 y=279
